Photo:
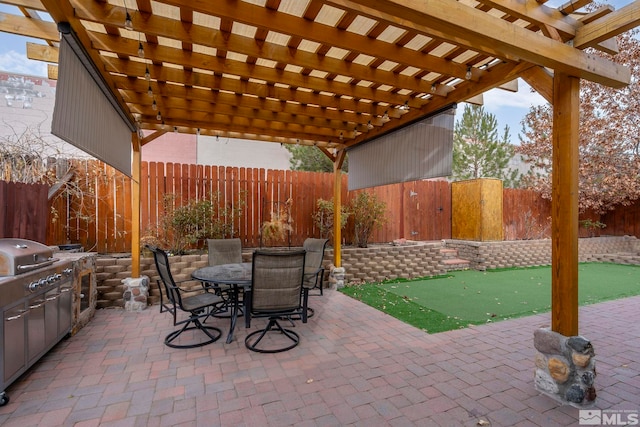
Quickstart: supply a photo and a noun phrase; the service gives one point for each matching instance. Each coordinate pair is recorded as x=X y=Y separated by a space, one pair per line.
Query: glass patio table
x=237 y=276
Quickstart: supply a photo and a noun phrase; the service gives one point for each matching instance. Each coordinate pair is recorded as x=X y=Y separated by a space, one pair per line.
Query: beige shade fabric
x=84 y=117
x=418 y=151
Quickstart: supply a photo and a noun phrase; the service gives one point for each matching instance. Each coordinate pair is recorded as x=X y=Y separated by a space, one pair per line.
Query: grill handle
x=38 y=265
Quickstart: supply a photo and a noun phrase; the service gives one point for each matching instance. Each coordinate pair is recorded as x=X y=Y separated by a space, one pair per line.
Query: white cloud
x=524 y=98
x=510 y=108
x=18 y=63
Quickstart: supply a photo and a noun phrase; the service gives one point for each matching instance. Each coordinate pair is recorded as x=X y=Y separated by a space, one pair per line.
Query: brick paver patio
x=354 y=366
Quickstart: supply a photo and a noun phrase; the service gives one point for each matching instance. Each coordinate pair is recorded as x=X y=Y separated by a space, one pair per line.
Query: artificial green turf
x=472 y=297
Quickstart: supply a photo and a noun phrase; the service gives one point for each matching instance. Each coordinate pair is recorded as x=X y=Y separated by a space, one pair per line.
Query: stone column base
x=136 y=291
x=336 y=276
x=565 y=368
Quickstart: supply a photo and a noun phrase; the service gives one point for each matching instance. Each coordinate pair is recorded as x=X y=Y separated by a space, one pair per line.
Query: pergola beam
x=197 y=34
x=41 y=52
x=542 y=15
x=29 y=27
x=265 y=94
x=474 y=29
x=27 y=4
x=169 y=96
x=501 y=74
x=541 y=80
x=271 y=75
x=254 y=15
x=608 y=26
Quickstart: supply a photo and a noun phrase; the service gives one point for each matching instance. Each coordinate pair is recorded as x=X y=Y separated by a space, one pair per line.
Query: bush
x=279 y=226
x=591 y=226
x=323 y=217
x=188 y=226
x=368 y=213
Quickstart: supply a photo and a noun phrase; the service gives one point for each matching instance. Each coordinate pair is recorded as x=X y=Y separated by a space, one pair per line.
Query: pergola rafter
x=349 y=62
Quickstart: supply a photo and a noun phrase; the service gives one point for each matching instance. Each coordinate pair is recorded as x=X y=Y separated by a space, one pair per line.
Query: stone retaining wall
x=379 y=263
x=527 y=253
x=110 y=270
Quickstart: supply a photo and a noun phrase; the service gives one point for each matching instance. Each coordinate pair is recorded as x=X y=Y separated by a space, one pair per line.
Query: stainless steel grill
x=36 y=293
x=18 y=256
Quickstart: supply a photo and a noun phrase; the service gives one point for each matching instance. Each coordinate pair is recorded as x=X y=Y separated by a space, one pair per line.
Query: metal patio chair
x=275 y=293
x=224 y=251
x=313 y=268
x=198 y=305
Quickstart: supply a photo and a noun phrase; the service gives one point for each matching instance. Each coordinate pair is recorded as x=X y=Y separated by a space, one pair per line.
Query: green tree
x=478 y=151
x=311 y=159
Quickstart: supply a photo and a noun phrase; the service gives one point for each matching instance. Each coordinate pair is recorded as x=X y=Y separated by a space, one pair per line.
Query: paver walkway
x=355 y=366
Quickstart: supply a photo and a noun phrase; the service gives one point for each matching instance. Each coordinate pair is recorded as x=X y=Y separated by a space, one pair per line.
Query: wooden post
x=337 y=207
x=564 y=202
x=135 y=205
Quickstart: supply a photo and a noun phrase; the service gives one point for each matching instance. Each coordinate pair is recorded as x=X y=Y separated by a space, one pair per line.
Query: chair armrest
x=180 y=286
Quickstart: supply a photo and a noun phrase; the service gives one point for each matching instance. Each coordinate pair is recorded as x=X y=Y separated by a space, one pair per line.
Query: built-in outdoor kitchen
x=46 y=294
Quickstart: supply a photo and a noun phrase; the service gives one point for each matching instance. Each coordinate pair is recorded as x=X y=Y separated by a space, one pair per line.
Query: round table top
x=239 y=274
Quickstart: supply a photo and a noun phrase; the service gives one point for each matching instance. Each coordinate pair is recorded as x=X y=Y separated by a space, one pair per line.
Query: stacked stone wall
x=528 y=253
x=514 y=253
x=111 y=270
x=379 y=263
x=619 y=250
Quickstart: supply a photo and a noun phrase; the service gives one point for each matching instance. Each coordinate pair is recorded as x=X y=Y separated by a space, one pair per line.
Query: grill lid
x=20 y=255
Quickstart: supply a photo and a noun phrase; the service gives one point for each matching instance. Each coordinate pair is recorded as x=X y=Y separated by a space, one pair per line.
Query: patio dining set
x=275 y=285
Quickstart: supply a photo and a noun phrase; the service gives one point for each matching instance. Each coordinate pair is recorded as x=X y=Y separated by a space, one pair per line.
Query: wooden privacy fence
x=421 y=210
x=525 y=215
x=101 y=219
x=256 y=192
x=22 y=210
x=96 y=213
x=259 y=193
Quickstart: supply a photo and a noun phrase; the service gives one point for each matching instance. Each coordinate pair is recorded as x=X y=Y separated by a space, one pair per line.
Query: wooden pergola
x=337 y=73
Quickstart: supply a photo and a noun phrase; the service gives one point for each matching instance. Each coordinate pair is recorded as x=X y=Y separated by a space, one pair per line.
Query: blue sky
x=509 y=108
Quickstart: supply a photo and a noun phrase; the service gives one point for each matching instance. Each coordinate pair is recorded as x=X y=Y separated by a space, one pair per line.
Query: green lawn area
x=471 y=297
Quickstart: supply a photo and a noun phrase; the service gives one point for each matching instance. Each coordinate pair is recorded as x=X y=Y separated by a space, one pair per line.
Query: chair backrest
x=224 y=251
x=164 y=271
x=314 y=252
x=276 y=281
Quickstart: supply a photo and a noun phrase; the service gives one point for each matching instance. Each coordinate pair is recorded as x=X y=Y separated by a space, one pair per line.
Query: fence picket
x=107 y=205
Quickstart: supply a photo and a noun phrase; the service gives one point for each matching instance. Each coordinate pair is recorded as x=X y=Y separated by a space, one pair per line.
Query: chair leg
x=224 y=292
x=305 y=312
x=190 y=324
x=274 y=326
x=164 y=306
x=305 y=306
x=246 y=304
